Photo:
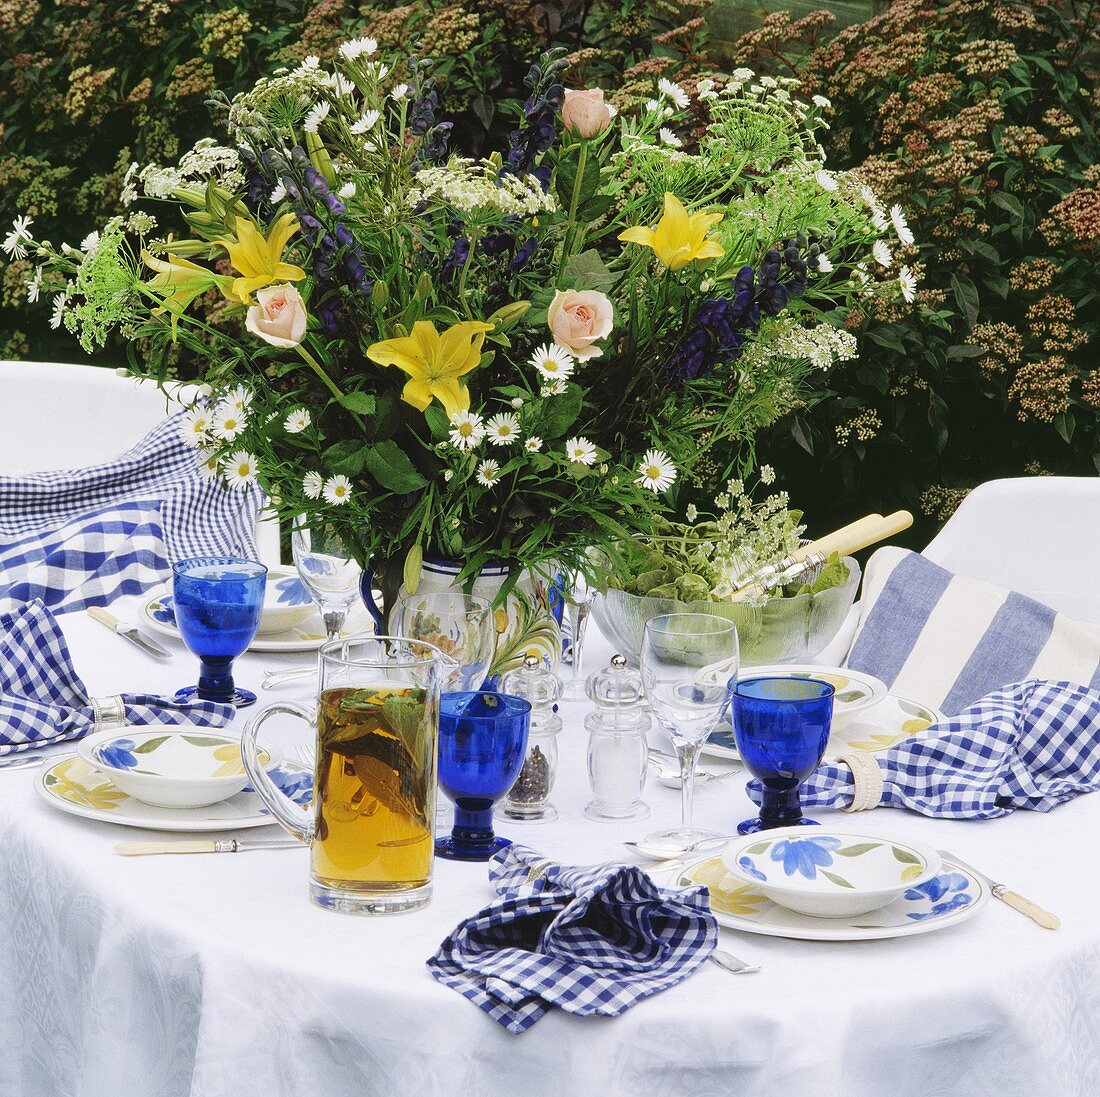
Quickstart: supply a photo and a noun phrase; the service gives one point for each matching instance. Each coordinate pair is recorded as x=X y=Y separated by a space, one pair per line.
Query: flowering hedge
x=979 y=116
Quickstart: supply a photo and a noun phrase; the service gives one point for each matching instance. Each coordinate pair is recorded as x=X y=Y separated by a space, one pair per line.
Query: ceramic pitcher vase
x=528 y=622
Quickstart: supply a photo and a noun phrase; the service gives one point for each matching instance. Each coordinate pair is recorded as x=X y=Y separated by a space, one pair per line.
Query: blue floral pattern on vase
x=751 y=869
x=804 y=855
x=292 y=592
x=951 y=887
x=118 y=754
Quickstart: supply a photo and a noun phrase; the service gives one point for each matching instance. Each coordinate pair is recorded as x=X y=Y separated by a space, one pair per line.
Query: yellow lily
x=179 y=281
x=434 y=362
x=679 y=237
x=258 y=258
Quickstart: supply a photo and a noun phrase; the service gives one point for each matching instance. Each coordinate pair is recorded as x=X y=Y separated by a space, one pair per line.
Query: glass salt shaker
x=528 y=800
x=617 y=758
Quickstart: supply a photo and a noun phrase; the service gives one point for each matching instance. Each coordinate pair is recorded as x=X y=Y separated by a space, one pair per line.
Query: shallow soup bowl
x=830 y=873
x=168 y=767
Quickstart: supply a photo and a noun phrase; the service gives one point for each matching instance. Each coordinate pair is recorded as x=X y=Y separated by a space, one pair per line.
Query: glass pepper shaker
x=617 y=758
x=528 y=800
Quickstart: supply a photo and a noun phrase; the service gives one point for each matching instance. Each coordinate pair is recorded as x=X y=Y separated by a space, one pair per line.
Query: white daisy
x=240 y=469
x=58 y=312
x=278 y=194
x=580 y=450
x=667 y=137
x=826 y=180
x=503 y=429
x=312 y=61
x=195 y=426
x=653 y=104
x=357 y=47
x=297 y=421
x=881 y=251
x=16 y=240
x=553 y=362
x=907 y=280
x=879 y=219
x=467 y=429
x=656 y=471
x=312 y=485
x=901 y=226
x=553 y=388
x=488 y=473
x=824 y=264
x=209 y=466
x=868 y=195
x=228 y=422
x=516 y=402
x=340 y=84
x=673 y=92
x=337 y=490
x=317 y=114
x=367 y=122
x=347 y=190
x=90 y=243
x=34 y=285
x=399 y=91
x=239 y=398
x=533 y=444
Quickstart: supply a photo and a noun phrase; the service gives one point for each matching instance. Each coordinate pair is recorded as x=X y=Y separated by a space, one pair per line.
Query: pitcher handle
x=366 y=592
x=276 y=801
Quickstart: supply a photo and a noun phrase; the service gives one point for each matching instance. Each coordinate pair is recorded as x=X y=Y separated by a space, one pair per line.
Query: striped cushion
x=946 y=640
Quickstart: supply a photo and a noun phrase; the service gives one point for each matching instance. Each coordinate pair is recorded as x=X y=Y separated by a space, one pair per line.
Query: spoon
x=671 y=775
x=733 y=964
x=670 y=851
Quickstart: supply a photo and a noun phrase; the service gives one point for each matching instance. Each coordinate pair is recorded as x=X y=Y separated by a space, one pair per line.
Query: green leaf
x=965 y=350
x=937 y=420
x=587 y=271
x=201 y=741
x=905 y=857
x=150 y=745
x=438 y=423
x=359 y=402
x=798 y=433
x=758 y=848
x=886 y=337
x=858 y=848
x=414 y=561
x=966 y=294
x=562 y=412
x=1064 y=423
x=838 y=880
x=390 y=466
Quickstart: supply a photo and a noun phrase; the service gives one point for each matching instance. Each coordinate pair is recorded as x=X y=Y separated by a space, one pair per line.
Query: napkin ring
x=867 y=777
x=109 y=713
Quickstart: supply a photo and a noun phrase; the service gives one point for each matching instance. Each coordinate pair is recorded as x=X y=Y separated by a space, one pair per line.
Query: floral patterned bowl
x=286 y=602
x=830 y=874
x=166 y=767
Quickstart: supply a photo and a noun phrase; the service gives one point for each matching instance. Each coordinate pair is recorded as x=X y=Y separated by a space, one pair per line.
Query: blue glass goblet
x=217 y=602
x=482 y=744
x=781 y=726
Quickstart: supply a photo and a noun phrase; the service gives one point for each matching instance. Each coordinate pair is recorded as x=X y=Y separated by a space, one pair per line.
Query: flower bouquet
x=500 y=362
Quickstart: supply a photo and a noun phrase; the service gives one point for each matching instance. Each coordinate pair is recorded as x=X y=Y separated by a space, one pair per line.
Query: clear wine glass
x=328 y=570
x=460 y=625
x=578 y=604
x=686 y=661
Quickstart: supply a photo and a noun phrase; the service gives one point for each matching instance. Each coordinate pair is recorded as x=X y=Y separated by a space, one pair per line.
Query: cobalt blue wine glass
x=482 y=744
x=781 y=726
x=217 y=602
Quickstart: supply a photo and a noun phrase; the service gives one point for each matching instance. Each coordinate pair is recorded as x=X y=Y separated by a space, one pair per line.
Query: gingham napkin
x=1031 y=745
x=43 y=700
x=591 y=940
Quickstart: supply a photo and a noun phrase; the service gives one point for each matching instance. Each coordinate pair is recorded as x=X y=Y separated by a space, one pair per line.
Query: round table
x=214 y=975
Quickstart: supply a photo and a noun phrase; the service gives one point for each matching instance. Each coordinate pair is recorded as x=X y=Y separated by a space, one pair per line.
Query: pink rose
x=280 y=317
x=577 y=318
x=585 y=113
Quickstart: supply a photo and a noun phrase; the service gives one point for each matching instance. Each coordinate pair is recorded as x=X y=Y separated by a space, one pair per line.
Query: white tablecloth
x=214 y=976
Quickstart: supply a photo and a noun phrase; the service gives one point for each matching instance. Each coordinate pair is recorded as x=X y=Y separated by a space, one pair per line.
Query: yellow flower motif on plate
x=230 y=757
x=67 y=785
x=727 y=894
x=878 y=741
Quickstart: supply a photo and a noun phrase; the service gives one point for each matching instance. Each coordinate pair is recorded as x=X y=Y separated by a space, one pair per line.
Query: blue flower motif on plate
x=292 y=592
x=804 y=855
x=118 y=754
x=750 y=868
x=161 y=610
x=949 y=884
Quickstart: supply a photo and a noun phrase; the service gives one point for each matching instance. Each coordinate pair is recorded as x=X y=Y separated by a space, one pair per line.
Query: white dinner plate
x=890 y=721
x=157 y=616
x=946 y=900
x=73 y=786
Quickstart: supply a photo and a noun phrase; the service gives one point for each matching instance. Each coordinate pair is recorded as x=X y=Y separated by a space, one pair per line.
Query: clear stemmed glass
x=686 y=661
x=217 y=601
x=578 y=602
x=328 y=570
x=460 y=625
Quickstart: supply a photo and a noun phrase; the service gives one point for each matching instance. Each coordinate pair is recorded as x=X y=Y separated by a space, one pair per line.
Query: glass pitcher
x=377 y=722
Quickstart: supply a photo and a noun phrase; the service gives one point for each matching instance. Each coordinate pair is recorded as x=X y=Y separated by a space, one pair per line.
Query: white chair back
x=56 y=415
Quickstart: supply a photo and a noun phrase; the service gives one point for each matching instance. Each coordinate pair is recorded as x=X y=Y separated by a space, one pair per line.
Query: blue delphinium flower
x=538 y=131
x=292 y=592
x=804 y=855
x=118 y=754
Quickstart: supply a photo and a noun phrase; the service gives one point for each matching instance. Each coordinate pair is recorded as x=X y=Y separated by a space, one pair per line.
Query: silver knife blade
x=150 y=647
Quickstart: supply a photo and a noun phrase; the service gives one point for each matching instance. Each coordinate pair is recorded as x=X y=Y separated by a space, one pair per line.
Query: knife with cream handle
x=128 y=632
x=228 y=845
x=1013 y=898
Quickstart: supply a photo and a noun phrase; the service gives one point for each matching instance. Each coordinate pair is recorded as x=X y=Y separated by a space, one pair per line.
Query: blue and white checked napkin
x=83 y=537
x=1032 y=745
x=592 y=940
x=43 y=701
